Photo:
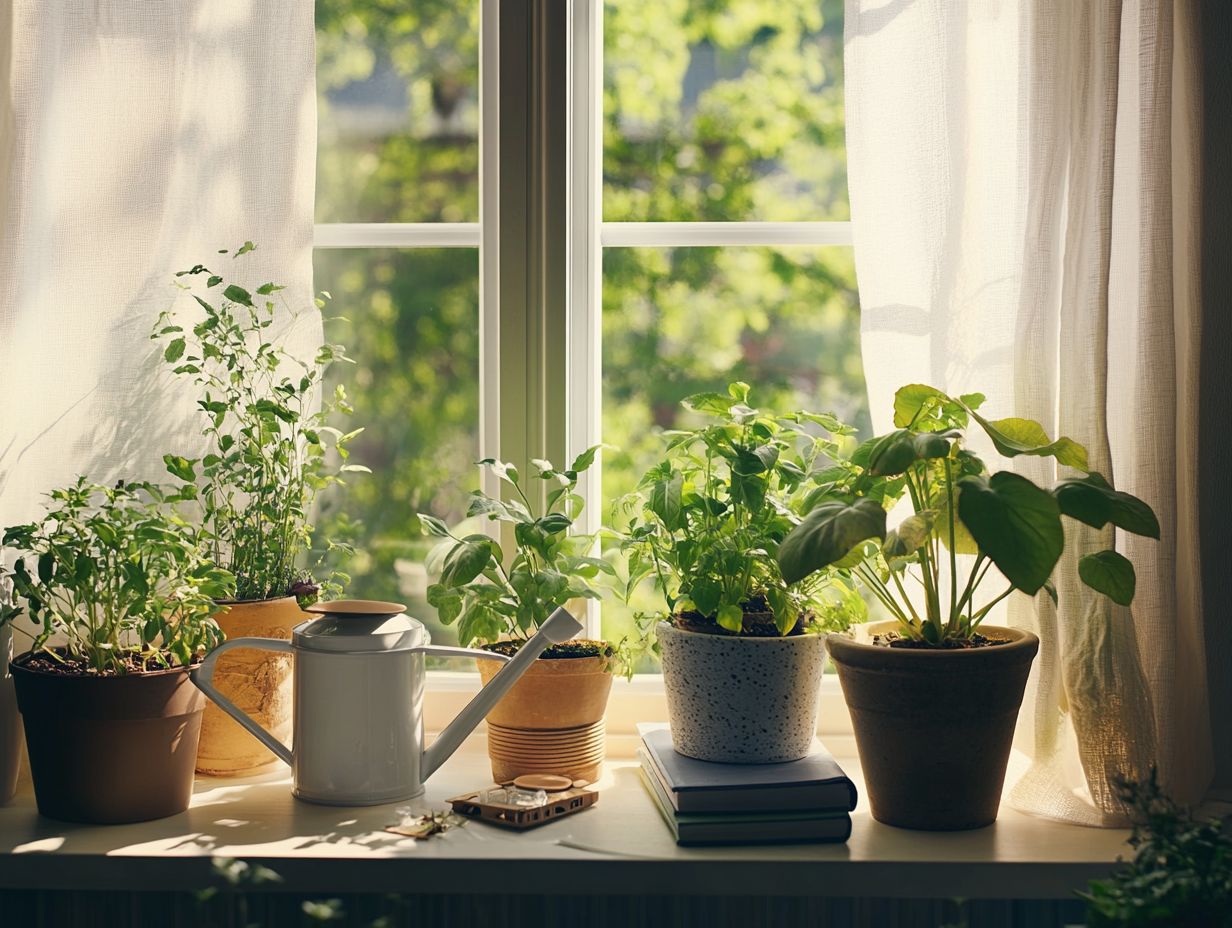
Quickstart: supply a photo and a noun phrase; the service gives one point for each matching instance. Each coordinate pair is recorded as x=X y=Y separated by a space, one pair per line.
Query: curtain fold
x=136 y=140
x=1023 y=200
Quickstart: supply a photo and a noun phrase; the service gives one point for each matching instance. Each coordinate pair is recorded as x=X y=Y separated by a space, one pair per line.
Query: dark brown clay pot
x=109 y=750
x=934 y=727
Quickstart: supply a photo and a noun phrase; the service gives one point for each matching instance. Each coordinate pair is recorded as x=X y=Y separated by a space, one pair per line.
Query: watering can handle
x=203 y=676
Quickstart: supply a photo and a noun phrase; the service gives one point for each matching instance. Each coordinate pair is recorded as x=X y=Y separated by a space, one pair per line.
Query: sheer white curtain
x=1023 y=202
x=136 y=139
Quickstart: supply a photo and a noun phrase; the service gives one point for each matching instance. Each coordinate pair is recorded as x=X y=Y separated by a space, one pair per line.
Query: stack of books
x=806 y=800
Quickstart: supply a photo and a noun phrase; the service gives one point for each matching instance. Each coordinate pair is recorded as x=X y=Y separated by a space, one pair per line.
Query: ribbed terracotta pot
x=110 y=750
x=934 y=727
x=258 y=682
x=741 y=699
x=557 y=708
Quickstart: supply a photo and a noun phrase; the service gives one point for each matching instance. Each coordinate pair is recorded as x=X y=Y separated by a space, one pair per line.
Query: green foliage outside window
x=717 y=110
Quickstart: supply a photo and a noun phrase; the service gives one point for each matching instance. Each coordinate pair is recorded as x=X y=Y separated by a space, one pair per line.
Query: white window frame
x=539 y=324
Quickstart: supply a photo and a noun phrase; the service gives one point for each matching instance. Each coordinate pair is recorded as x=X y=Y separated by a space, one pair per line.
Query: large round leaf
x=1093 y=501
x=1109 y=573
x=1016 y=524
x=826 y=535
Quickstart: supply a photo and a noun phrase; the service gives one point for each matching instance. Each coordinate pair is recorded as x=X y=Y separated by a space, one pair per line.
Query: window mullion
x=585 y=217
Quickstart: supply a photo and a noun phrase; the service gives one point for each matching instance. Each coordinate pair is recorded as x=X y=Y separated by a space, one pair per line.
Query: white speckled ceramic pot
x=741 y=700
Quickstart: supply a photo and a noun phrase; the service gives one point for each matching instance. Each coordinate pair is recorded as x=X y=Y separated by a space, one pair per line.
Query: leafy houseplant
x=705 y=527
x=1181 y=874
x=929 y=756
x=500 y=602
x=270 y=449
x=111 y=717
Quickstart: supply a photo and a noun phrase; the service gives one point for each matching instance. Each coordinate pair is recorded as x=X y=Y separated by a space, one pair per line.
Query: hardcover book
x=813 y=783
x=747 y=828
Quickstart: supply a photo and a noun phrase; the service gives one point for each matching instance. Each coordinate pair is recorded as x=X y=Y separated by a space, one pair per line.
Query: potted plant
x=269 y=450
x=111 y=717
x=552 y=719
x=740 y=643
x=935 y=693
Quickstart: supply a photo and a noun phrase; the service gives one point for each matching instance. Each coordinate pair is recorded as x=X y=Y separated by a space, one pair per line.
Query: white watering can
x=359 y=688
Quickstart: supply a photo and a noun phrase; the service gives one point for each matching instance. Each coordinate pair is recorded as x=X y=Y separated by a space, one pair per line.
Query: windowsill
x=620 y=846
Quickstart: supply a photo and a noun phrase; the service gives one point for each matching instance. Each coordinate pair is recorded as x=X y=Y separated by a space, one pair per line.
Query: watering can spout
x=560 y=626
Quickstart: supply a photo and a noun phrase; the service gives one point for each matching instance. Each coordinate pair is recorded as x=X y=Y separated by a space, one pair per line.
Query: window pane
x=679 y=321
x=398 y=111
x=723 y=111
x=412 y=326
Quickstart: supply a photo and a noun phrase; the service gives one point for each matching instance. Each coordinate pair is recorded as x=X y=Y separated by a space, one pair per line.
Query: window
x=653 y=191
x=398 y=249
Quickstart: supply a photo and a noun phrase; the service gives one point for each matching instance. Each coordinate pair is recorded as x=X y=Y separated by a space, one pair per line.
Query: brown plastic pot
x=258 y=682
x=934 y=727
x=565 y=695
x=109 y=750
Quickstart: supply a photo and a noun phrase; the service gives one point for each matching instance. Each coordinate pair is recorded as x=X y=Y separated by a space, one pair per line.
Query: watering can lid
x=360 y=625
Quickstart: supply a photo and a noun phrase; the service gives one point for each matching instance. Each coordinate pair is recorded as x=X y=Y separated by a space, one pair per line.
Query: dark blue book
x=699 y=828
x=814 y=783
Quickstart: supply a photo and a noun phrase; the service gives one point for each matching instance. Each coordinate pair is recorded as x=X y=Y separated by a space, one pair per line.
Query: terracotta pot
x=738 y=699
x=552 y=718
x=259 y=682
x=934 y=727
x=109 y=750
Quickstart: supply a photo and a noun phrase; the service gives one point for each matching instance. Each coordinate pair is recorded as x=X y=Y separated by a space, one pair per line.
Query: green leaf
x=926 y=409
x=895 y=452
x=555 y=522
x=730 y=617
x=482 y=505
x=1110 y=573
x=910 y=535
x=665 y=501
x=892 y=454
x=46 y=567
x=1091 y=499
x=237 y=294
x=711 y=404
x=465 y=562
x=243 y=249
x=446 y=601
x=585 y=459
x=827 y=534
x=180 y=467
x=1016 y=524
x=503 y=470
x=963 y=542
x=433 y=526
x=174 y=350
x=706 y=594
x=1014 y=436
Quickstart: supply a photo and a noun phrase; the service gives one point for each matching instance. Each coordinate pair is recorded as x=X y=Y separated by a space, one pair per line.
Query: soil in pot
x=934 y=725
x=741 y=699
x=108 y=748
x=564 y=693
x=258 y=682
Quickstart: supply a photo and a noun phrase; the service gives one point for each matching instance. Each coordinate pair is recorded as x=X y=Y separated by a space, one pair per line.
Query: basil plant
x=706 y=522
x=490 y=595
x=1000 y=519
x=119 y=575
